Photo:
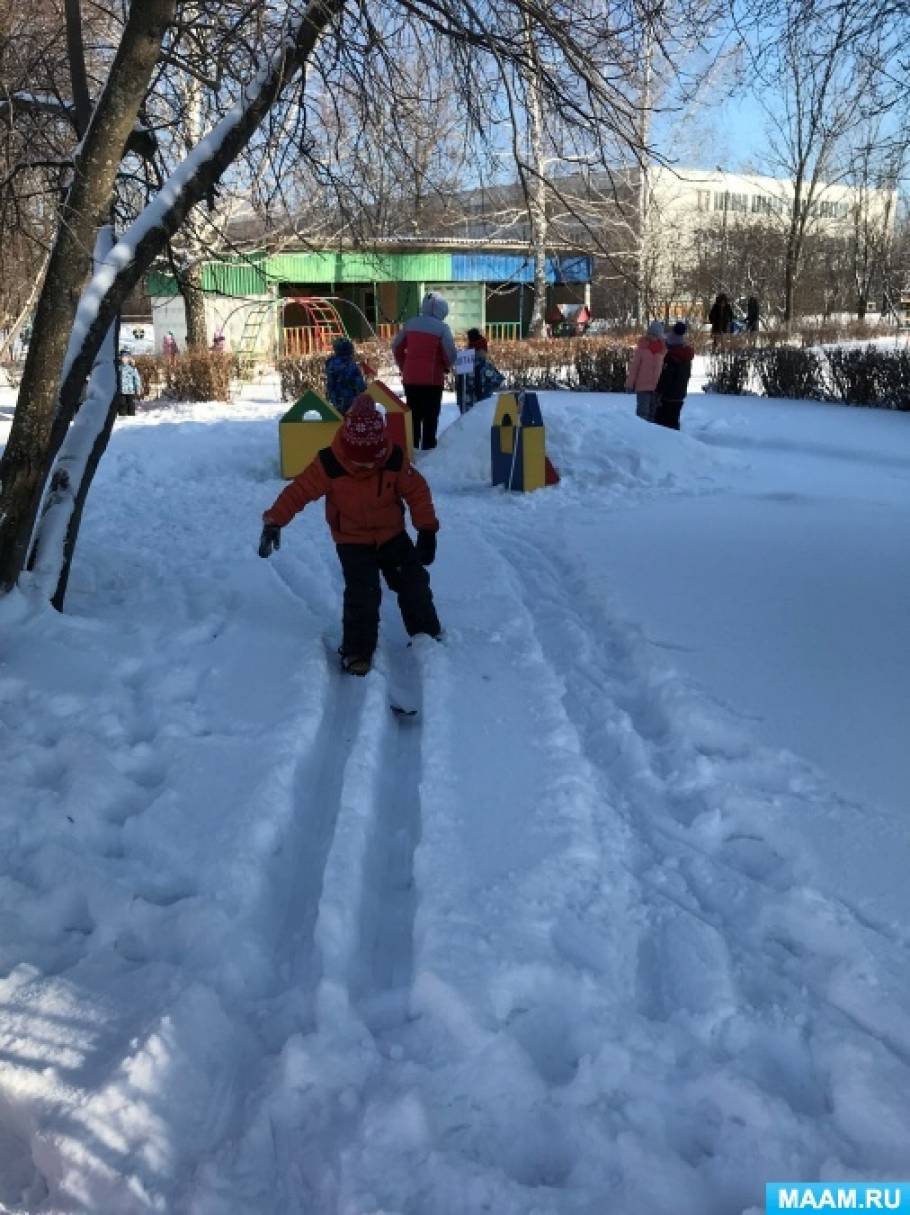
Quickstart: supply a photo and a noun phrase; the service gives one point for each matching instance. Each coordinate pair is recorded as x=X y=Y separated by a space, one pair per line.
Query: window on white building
x=727 y=201
x=766 y=204
x=703 y=200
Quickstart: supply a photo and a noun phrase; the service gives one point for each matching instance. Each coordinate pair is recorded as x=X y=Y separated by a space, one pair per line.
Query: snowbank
x=619 y=923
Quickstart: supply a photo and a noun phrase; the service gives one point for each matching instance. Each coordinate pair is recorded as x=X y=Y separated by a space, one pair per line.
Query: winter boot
x=354 y=665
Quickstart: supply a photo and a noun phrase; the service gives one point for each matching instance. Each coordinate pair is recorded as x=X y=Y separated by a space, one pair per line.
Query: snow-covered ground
x=619 y=924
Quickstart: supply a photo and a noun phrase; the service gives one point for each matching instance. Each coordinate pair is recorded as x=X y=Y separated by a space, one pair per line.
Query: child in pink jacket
x=644 y=370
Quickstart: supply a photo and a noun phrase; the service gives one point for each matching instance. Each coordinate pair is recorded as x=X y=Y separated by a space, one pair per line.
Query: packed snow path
x=581 y=937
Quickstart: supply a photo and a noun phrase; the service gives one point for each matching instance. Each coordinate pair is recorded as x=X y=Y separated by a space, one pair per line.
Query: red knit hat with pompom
x=363 y=434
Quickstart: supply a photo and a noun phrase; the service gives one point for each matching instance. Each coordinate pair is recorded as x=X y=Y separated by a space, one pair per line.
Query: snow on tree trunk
x=643 y=251
x=134 y=253
x=537 y=211
x=192 y=181
x=189 y=280
x=76 y=462
x=535 y=190
x=35 y=435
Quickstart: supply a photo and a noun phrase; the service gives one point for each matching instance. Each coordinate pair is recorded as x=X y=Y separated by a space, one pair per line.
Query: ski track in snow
x=550 y=948
x=712 y=859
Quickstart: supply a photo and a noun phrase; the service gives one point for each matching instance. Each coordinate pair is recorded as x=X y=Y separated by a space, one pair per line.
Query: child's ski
x=404 y=683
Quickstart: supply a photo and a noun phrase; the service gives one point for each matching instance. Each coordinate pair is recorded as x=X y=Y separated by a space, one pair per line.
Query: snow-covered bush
x=855 y=375
x=198 y=375
x=536 y=364
x=869 y=376
x=583 y=364
x=846 y=375
x=791 y=373
x=729 y=369
x=894 y=378
x=151 y=373
x=299 y=373
x=602 y=368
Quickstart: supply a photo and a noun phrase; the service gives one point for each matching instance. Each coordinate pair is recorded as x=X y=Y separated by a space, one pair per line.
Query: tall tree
x=96 y=161
x=876 y=167
x=300 y=54
x=816 y=84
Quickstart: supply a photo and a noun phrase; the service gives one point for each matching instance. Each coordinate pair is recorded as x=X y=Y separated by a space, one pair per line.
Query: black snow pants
x=424 y=402
x=668 y=414
x=397 y=561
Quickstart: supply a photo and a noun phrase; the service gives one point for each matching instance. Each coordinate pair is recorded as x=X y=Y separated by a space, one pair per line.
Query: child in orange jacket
x=366 y=482
x=644 y=370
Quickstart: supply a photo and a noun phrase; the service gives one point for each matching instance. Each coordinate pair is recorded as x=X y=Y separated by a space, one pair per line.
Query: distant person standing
x=169 y=346
x=424 y=350
x=674 y=378
x=130 y=386
x=752 y=314
x=720 y=317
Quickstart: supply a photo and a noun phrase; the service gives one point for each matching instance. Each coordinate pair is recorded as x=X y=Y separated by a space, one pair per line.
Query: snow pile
x=596 y=440
x=618 y=923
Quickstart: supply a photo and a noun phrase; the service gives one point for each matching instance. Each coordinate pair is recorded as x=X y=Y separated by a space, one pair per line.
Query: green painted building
x=260 y=303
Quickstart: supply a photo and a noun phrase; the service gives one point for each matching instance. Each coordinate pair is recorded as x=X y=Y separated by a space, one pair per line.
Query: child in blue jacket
x=130 y=386
x=343 y=378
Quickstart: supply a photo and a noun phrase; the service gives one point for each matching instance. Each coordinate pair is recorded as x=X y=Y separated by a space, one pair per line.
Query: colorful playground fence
x=306 y=339
x=504 y=331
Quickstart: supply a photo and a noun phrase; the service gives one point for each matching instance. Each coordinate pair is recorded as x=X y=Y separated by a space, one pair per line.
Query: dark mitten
x=270 y=540
x=426 y=547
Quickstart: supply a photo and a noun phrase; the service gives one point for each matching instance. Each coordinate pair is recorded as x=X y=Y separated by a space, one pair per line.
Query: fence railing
x=306 y=339
x=504 y=331
x=385 y=332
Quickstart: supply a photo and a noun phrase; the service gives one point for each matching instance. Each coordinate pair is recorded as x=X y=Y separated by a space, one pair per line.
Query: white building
x=684 y=204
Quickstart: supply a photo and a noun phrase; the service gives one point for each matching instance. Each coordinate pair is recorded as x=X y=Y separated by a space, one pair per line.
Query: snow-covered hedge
x=866 y=375
x=784 y=371
x=730 y=369
x=299 y=373
x=580 y=364
x=197 y=375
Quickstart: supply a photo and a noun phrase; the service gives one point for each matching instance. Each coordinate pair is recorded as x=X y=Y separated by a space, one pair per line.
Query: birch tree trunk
x=643 y=292
x=189 y=280
x=537 y=199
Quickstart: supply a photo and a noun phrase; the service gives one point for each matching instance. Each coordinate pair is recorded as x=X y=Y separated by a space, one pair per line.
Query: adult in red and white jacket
x=644 y=370
x=424 y=350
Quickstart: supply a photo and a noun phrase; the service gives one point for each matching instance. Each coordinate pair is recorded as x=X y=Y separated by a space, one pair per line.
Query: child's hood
x=654 y=344
x=434 y=305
